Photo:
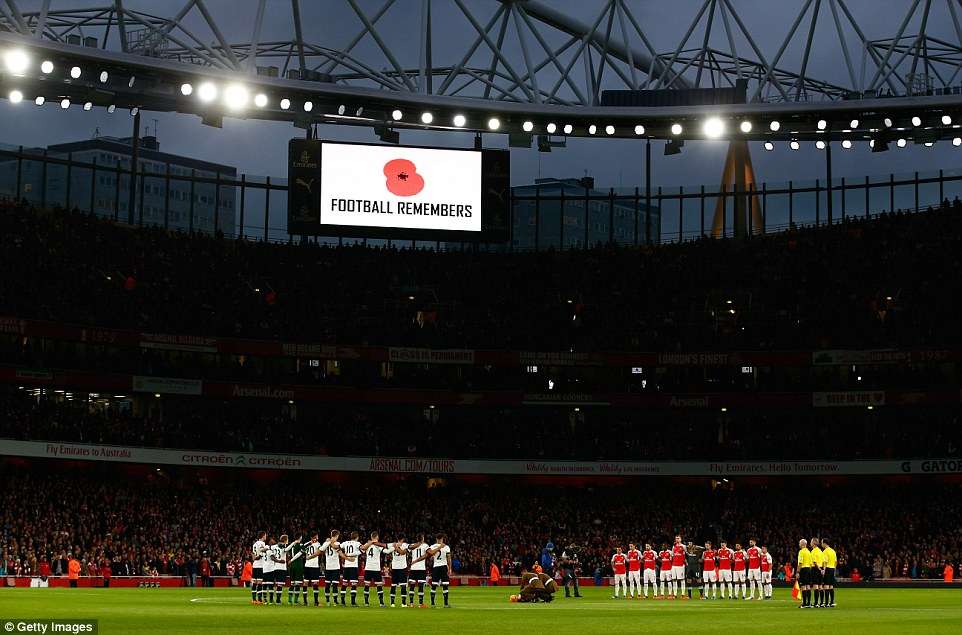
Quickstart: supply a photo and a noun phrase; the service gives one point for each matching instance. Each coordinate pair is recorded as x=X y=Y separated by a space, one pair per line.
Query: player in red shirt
x=634 y=571
x=738 y=571
x=619 y=565
x=754 y=569
x=725 y=570
x=678 y=554
x=664 y=576
x=709 y=575
x=648 y=557
x=766 y=573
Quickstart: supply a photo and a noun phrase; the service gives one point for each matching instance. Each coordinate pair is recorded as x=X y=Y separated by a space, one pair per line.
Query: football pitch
x=197 y=610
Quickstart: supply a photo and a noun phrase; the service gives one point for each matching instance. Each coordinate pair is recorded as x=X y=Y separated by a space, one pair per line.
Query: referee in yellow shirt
x=818 y=572
x=804 y=574
x=828 y=578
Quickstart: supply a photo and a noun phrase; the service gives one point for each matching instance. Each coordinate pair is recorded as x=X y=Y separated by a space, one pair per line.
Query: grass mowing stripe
x=216 y=611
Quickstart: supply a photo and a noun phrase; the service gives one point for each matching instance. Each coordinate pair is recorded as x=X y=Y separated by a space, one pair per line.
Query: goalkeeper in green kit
x=295 y=562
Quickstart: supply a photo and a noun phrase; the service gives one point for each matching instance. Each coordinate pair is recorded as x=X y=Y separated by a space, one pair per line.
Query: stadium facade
x=191 y=205
x=571 y=212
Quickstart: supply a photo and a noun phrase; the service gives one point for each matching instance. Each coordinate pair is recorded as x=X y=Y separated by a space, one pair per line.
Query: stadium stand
x=140 y=521
x=491 y=433
x=73 y=288
x=881 y=282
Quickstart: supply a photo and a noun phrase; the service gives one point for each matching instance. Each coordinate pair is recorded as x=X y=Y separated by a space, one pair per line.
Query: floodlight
x=16 y=61
x=207 y=92
x=714 y=128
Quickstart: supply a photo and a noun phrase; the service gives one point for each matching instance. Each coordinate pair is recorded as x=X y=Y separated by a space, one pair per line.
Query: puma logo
x=307 y=185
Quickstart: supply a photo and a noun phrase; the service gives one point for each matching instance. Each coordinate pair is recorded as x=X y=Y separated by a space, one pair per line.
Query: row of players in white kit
x=341 y=567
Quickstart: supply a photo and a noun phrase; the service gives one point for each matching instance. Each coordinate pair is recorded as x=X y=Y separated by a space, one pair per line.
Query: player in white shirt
x=372 y=550
x=257 y=579
x=312 y=566
x=332 y=566
x=269 y=571
x=279 y=556
x=439 y=555
x=398 y=550
x=351 y=550
x=418 y=572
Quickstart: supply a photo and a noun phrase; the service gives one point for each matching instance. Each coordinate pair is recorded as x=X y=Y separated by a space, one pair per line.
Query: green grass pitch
x=488 y=610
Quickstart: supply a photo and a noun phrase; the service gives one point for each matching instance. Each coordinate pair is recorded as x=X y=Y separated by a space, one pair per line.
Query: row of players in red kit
x=671 y=571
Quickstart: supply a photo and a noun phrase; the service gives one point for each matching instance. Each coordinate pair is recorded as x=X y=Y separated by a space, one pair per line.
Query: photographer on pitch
x=569 y=569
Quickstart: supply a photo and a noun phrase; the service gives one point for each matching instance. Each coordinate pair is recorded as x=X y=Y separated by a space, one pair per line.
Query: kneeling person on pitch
x=533 y=588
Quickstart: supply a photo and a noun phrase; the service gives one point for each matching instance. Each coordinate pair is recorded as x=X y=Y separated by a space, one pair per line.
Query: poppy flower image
x=403 y=178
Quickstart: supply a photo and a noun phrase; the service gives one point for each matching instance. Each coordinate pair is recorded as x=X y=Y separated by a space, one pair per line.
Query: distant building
x=611 y=215
x=101 y=189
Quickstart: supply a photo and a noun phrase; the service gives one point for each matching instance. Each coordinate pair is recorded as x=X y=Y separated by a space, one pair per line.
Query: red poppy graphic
x=403 y=178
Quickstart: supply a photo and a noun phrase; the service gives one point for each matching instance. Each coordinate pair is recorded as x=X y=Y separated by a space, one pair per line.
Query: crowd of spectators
x=860 y=283
x=466 y=432
x=170 y=523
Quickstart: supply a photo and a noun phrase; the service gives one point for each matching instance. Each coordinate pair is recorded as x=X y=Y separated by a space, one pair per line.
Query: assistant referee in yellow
x=830 y=560
x=804 y=575
x=818 y=572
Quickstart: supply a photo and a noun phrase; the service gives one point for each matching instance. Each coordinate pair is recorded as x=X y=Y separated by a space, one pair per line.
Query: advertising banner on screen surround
x=400 y=192
x=428 y=465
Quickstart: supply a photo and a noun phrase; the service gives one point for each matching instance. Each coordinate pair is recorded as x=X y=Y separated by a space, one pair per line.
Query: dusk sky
x=260 y=148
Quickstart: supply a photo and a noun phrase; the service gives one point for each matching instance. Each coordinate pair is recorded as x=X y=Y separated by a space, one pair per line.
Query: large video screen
x=388 y=191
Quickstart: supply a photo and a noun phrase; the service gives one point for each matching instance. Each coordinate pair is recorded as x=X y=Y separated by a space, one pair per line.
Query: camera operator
x=569 y=569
